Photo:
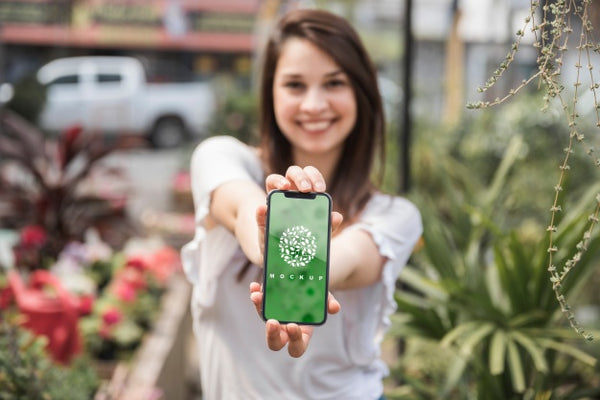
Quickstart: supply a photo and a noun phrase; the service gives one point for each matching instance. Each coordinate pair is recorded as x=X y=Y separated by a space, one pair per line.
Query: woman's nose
x=314 y=101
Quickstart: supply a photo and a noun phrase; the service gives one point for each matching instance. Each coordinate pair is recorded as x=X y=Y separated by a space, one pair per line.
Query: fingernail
x=304 y=185
x=320 y=186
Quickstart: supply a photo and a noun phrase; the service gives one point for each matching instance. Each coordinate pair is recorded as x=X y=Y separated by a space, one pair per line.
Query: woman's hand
x=295 y=336
x=307 y=179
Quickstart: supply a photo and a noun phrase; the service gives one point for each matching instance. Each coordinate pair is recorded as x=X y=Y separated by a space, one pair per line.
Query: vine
x=551 y=38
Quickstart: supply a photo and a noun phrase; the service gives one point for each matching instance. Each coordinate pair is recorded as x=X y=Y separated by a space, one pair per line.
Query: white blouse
x=343 y=358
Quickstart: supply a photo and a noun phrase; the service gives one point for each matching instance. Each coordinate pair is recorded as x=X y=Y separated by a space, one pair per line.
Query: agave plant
x=481 y=296
x=43 y=183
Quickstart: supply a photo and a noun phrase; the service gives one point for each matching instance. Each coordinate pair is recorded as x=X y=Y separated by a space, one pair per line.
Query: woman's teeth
x=315 y=126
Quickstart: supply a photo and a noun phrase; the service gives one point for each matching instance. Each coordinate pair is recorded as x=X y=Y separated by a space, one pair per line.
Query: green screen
x=297 y=257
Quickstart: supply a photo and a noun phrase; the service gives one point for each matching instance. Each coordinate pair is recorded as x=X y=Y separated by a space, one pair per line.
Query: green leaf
x=423 y=317
x=457 y=332
x=509 y=158
x=422 y=284
x=454 y=372
x=570 y=350
x=516 y=367
x=497 y=352
x=474 y=338
x=533 y=317
x=536 y=352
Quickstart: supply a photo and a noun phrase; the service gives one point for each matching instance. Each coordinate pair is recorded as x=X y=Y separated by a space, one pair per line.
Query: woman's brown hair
x=351 y=186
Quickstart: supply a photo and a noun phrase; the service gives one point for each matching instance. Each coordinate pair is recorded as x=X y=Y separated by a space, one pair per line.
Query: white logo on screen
x=297 y=246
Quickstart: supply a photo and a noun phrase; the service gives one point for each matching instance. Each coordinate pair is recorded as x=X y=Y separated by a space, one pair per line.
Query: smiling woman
x=322 y=128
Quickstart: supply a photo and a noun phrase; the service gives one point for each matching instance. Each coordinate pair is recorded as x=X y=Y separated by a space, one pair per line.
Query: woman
x=322 y=128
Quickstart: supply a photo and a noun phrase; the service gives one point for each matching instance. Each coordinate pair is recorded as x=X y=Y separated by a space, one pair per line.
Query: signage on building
x=226 y=25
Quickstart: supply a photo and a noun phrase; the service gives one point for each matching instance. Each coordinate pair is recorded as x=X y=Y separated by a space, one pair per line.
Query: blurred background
x=103 y=101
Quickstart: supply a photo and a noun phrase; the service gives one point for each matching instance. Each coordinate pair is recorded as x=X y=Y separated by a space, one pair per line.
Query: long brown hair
x=351 y=186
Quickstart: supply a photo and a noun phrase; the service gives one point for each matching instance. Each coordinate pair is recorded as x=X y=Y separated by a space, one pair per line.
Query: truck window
x=108 y=78
x=65 y=80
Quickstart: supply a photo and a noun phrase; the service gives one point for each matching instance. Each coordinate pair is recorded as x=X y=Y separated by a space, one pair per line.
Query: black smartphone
x=296 y=257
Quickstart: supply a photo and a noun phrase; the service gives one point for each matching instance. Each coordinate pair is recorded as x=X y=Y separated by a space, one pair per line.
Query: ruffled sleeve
x=215 y=161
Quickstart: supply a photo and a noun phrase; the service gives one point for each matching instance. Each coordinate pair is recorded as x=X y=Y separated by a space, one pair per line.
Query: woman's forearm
x=234 y=206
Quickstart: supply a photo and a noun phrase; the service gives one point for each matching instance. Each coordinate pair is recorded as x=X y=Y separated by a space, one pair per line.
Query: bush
x=26 y=372
x=29 y=98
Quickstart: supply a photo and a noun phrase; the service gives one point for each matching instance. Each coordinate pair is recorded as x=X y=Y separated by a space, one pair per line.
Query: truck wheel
x=168 y=132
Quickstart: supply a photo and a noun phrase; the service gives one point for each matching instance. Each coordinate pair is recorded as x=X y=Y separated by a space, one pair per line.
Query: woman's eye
x=335 y=83
x=294 y=85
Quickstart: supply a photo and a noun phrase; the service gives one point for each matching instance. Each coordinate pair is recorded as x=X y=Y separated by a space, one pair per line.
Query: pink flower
x=134 y=278
x=164 y=262
x=111 y=317
x=127 y=283
x=33 y=236
x=125 y=291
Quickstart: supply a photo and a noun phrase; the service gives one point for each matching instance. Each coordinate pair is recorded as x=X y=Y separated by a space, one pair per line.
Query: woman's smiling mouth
x=316 y=126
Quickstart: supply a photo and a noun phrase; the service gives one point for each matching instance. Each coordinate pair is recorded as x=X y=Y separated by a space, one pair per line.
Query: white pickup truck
x=117 y=95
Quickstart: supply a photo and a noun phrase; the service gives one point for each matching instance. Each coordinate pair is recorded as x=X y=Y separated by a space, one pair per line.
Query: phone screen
x=296 y=269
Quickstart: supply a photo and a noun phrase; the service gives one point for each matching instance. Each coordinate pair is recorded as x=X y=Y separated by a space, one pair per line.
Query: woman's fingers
x=307 y=179
x=298 y=178
x=295 y=336
x=336 y=221
x=276 y=181
x=277 y=336
x=298 y=338
x=261 y=223
x=333 y=306
x=316 y=179
x=256 y=296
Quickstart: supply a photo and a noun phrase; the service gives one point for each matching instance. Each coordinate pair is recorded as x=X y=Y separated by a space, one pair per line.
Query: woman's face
x=314 y=103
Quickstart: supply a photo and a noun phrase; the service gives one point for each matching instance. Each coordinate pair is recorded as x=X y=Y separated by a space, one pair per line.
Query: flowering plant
x=116 y=294
x=128 y=302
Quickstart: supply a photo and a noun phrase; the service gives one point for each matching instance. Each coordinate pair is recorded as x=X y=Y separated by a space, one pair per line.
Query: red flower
x=33 y=236
x=6 y=297
x=137 y=263
x=111 y=316
x=85 y=305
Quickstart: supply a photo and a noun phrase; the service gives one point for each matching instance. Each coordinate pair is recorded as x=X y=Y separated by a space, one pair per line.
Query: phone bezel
x=307 y=196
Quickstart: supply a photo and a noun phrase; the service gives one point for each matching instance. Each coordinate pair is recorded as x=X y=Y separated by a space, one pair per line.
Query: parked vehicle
x=117 y=95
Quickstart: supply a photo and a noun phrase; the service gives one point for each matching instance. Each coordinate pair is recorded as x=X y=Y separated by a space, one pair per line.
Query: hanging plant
x=558 y=26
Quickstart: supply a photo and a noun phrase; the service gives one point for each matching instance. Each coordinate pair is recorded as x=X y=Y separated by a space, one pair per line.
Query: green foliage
x=26 y=372
x=478 y=291
x=46 y=184
x=552 y=24
x=29 y=98
x=237 y=116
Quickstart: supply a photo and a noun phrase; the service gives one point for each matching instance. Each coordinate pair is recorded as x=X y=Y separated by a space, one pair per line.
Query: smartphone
x=296 y=257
